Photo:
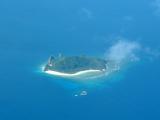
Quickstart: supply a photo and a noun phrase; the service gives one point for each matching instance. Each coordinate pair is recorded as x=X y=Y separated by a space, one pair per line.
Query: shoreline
x=77 y=74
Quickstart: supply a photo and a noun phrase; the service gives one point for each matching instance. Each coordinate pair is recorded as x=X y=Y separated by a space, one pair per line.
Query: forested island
x=74 y=64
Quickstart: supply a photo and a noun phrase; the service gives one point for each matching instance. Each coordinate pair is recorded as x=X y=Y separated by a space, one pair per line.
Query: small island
x=73 y=66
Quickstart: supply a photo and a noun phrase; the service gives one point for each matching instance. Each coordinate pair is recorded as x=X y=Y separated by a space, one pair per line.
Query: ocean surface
x=127 y=31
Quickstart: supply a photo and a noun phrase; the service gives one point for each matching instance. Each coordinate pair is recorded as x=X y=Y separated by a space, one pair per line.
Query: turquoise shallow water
x=30 y=31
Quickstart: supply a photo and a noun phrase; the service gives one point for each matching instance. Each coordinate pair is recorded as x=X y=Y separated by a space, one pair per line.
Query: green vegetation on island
x=75 y=64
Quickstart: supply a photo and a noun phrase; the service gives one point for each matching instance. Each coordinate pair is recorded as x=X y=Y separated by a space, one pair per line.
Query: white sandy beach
x=78 y=74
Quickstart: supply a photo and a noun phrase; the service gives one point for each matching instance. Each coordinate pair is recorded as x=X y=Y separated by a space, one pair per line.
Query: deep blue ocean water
x=32 y=30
